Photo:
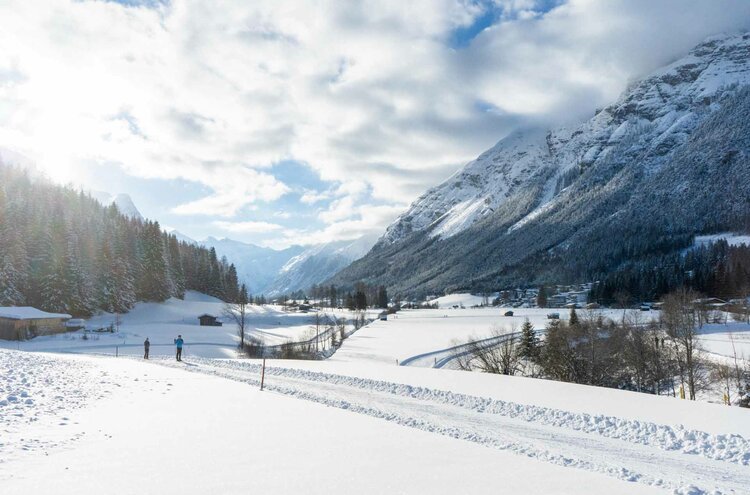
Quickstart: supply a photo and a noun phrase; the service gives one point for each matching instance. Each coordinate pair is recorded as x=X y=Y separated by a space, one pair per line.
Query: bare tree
x=682 y=321
x=238 y=312
x=502 y=358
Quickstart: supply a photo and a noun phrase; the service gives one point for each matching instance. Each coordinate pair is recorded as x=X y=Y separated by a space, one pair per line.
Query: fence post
x=117 y=351
x=262 y=374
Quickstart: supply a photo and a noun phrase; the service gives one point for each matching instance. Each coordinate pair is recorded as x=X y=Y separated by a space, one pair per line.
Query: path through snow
x=683 y=461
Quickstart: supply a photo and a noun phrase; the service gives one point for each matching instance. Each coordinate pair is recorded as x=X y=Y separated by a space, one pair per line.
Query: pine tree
x=232 y=293
x=573 y=320
x=155 y=284
x=541 y=299
x=177 y=273
x=529 y=345
x=382 y=297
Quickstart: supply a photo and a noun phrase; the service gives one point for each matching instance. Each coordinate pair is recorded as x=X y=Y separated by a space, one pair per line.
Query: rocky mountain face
x=667 y=160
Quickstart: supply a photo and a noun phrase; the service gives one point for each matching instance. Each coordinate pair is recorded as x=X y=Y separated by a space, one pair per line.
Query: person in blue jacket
x=178 y=342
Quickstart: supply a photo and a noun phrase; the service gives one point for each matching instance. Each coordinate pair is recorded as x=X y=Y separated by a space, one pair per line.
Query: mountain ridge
x=536 y=194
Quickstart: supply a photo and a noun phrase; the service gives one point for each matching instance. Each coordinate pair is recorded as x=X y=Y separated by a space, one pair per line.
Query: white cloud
x=370 y=94
x=312 y=197
x=367 y=219
x=247 y=227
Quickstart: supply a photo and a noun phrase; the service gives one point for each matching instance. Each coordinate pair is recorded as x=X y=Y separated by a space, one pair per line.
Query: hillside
x=670 y=159
x=63 y=251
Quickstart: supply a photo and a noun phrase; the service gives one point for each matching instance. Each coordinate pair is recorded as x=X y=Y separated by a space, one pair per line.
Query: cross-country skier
x=178 y=342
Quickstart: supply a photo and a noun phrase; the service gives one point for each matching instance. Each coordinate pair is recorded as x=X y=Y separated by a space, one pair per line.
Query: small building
x=304 y=308
x=25 y=322
x=209 y=321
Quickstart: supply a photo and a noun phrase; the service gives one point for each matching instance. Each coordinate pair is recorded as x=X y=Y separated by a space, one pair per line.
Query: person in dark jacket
x=178 y=342
x=146 y=347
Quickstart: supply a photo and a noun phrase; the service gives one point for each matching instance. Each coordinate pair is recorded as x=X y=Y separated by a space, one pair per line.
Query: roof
x=206 y=315
x=28 y=313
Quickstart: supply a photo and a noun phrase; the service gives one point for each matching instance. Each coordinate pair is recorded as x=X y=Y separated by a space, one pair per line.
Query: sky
x=300 y=122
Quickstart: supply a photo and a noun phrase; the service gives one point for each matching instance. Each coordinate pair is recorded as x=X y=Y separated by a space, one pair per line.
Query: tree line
x=63 y=251
x=717 y=268
x=661 y=356
x=358 y=298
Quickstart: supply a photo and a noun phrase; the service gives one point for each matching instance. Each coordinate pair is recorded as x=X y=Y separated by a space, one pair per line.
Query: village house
x=207 y=320
x=24 y=322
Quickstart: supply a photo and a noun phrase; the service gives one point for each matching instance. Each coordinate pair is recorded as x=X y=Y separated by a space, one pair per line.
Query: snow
x=410 y=333
x=724 y=340
x=28 y=313
x=460 y=299
x=162 y=322
x=327 y=427
x=731 y=238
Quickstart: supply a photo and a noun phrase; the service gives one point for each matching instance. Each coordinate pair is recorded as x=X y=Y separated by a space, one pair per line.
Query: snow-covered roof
x=28 y=313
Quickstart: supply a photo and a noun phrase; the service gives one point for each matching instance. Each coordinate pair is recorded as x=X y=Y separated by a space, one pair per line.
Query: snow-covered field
x=74 y=423
x=203 y=426
x=726 y=340
x=411 y=333
x=162 y=322
x=460 y=299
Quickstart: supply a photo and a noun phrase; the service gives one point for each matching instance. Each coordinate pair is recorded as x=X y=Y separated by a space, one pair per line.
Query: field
x=83 y=421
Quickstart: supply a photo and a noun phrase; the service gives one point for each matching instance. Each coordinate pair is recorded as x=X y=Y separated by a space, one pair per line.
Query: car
x=553 y=316
x=508 y=313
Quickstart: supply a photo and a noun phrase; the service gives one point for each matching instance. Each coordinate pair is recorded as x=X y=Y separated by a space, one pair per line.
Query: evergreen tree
x=155 y=282
x=573 y=320
x=541 y=299
x=382 y=297
x=529 y=345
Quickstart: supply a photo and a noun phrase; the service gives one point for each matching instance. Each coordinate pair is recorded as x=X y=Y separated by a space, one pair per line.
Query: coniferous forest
x=62 y=251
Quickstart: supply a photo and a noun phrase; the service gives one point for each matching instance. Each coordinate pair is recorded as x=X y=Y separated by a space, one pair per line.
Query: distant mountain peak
x=123 y=201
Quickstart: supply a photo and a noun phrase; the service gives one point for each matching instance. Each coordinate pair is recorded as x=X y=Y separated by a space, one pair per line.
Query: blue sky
x=281 y=122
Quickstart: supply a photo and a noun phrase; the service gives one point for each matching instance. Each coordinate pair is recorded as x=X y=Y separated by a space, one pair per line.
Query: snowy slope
x=380 y=430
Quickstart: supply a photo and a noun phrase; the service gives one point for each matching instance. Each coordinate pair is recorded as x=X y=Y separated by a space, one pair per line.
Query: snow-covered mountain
x=654 y=117
x=318 y=263
x=256 y=266
x=546 y=193
x=123 y=202
x=275 y=272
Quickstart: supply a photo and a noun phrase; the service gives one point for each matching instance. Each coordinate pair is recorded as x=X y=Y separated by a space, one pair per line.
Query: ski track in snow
x=671 y=457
